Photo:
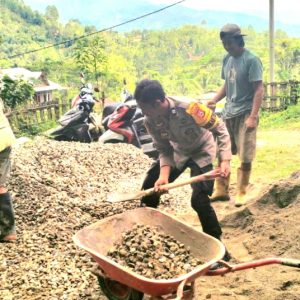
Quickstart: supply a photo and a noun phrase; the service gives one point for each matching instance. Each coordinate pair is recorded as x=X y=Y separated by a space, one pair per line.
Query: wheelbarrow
x=120 y=283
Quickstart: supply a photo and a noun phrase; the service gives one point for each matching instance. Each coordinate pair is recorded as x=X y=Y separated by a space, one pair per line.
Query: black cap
x=231 y=30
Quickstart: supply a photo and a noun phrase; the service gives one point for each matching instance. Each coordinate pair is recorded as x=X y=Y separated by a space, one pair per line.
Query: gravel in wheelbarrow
x=99 y=238
x=148 y=252
x=119 y=282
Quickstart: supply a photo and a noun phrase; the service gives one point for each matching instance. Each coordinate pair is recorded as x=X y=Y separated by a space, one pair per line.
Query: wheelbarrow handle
x=290 y=262
x=254 y=264
x=180 y=289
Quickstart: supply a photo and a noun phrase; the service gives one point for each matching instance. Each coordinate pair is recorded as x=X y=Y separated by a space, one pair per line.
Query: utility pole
x=271 y=41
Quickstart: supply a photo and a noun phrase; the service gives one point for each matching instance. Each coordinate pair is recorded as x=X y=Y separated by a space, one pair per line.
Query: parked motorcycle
x=109 y=109
x=124 y=123
x=79 y=124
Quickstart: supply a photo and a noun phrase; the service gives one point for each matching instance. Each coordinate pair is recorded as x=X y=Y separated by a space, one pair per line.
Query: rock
x=58 y=188
x=159 y=261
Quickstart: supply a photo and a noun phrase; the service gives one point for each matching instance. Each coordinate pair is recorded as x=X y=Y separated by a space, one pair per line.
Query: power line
x=96 y=32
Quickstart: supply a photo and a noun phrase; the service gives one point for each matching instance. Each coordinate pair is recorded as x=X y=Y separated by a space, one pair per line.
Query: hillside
x=92 y=13
x=186 y=59
x=20 y=26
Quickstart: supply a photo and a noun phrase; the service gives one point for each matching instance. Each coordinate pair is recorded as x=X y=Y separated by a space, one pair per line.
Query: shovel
x=120 y=197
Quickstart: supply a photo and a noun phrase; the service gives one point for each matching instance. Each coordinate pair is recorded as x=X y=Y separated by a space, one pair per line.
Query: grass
x=34 y=129
x=277 y=155
x=278 y=146
x=288 y=118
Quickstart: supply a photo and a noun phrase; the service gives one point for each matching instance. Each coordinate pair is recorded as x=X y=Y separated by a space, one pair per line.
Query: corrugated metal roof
x=52 y=86
x=27 y=75
x=20 y=73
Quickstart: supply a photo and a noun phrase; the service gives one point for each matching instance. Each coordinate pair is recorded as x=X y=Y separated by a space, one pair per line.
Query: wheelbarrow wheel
x=115 y=290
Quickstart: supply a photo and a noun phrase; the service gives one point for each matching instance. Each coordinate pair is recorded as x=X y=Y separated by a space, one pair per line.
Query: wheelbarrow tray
x=98 y=238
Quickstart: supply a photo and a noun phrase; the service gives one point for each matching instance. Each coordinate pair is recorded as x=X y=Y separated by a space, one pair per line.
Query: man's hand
x=161 y=181
x=218 y=97
x=211 y=104
x=251 y=122
x=225 y=168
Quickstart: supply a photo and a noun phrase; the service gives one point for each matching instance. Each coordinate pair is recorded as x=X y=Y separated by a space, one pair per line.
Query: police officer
x=182 y=134
x=7 y=220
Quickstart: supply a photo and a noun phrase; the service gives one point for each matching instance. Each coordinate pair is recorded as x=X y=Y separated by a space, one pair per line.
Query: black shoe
x=227 y=256
x=218 y=265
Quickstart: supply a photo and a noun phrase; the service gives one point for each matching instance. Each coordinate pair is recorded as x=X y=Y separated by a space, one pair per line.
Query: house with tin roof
x=42 y=86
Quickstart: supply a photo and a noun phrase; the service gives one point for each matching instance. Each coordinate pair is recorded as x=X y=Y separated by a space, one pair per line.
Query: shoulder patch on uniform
x=203 y=115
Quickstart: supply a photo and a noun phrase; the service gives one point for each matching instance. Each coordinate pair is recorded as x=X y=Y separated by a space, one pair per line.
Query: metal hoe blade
x=120 y=197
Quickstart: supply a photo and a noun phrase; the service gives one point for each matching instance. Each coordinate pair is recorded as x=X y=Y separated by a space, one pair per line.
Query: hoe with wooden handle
x=120 y=197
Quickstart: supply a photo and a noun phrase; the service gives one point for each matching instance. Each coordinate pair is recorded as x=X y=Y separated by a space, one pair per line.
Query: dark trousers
x=200 y=201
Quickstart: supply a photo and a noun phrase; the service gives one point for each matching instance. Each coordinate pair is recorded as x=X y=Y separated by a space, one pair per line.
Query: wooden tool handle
x=206 y=176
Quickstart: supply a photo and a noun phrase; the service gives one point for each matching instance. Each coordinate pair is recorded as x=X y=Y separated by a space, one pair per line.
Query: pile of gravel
x=58 y=188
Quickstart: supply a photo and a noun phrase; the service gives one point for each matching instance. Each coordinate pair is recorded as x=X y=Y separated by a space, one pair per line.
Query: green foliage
x=23 y=11
x=52 y=13
x=288 y=118
x=187 y=60
x=91 y=58
x=31 y=130
x=15 y=92
x=72 y=30
x=288 y=58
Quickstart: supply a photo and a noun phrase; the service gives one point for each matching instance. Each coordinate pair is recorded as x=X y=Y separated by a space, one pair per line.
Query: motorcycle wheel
x=61 y=138
x=115 y=142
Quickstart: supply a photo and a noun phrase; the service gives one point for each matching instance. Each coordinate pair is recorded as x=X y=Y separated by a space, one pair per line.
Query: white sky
x=287 y=11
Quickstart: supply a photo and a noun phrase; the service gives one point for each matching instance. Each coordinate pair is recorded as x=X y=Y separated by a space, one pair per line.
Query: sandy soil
x=268 y=226
x=53 y=201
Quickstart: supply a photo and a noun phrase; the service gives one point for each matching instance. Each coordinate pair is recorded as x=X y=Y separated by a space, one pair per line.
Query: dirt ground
x=268 y=226
x=55 y=195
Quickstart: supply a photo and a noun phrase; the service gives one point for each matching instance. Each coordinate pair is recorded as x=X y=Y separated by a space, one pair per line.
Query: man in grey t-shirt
x=243 y=88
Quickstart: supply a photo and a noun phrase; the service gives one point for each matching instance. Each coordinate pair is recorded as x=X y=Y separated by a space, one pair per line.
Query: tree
x=91 y=57
x=53 y=26
x=52 y=14
x=288 y=59
x=15 y=92
x=23 y=11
